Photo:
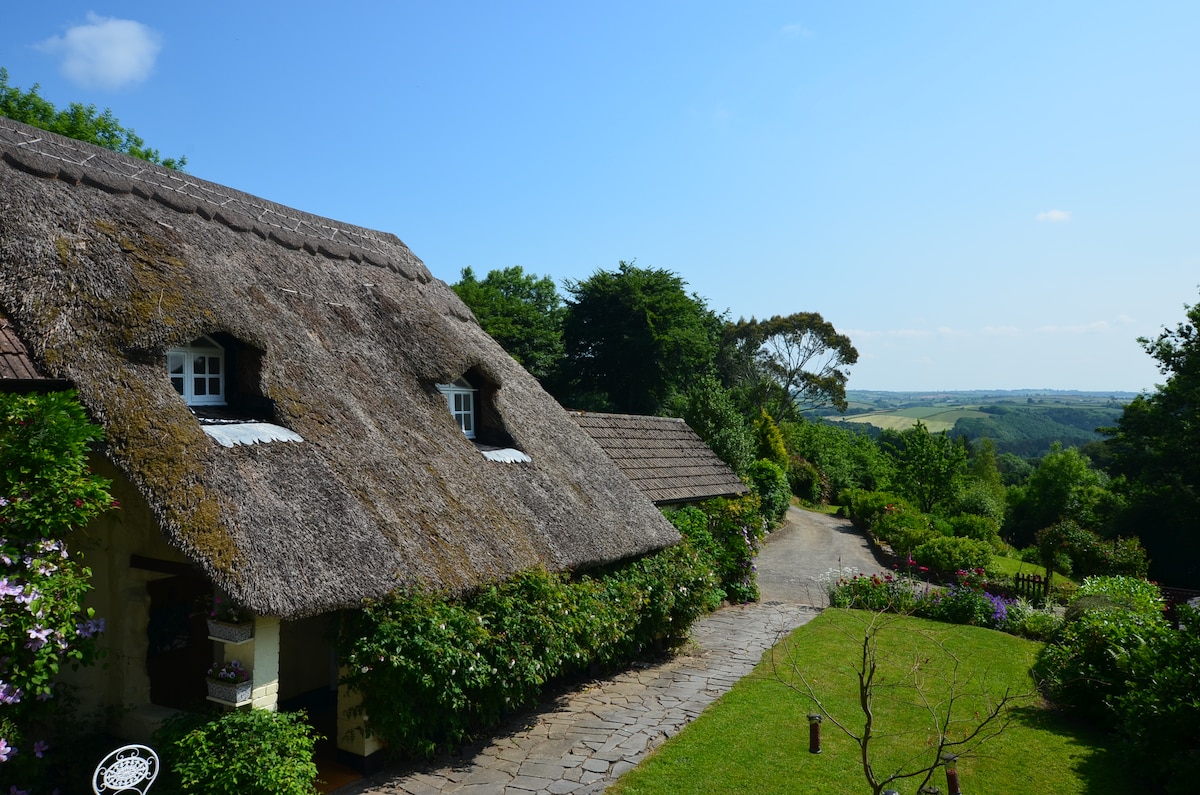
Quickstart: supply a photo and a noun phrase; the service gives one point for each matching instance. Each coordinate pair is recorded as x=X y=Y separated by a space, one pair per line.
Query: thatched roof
x=662 y=456
x=107 y=262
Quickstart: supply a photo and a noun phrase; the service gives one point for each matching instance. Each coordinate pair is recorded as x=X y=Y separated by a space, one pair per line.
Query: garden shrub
x=1158 y=716
x=865 y=507
x=1131 y=593
x=770 y=484
x=964 y=604
x=726 y=534
x=952 y=554
x=879 y=592
x=1087 y=666
x=1026 y=621
x=768 y=440
x=433 y=670
x=903 y=528
x=806 y=481
x=980 y=528
x=1088 y=553
x=255 y=752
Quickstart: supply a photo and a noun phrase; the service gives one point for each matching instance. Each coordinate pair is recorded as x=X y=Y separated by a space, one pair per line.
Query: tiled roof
x=15 y=364
x=662 y=456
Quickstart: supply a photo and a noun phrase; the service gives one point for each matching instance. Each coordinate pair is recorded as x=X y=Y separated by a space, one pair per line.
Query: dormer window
x=198 y=372
x=461 y=398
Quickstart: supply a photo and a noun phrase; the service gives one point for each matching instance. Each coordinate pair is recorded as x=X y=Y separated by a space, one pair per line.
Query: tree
x=1156 y=456
x=523 y=312
x=792 y=363
x=634 y=338
x=78 y=121
x=1063 y=487
x=709 y=410
x=927 y=464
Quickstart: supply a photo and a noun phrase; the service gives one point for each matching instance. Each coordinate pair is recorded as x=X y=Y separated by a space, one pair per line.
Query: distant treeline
x=1028 y=431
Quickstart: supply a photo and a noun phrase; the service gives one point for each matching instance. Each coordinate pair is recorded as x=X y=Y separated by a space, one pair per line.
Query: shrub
x=1159 y=714
x=903 y=528
x=255 y=751
x=865 y=507
x=1132 y=593
x=806 y=481
x=433 y=670
x=1087 y=666
x=768 y=440
x=768 y=481
x=980 y=528
x=951 y=554
x=963 y=604
x=1027 y=621
x=878 y=592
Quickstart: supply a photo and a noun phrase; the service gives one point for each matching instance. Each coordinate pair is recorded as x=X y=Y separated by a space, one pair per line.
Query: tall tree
x=1156 y=456
x=635 y=338
x=790 y=363
x=927 y=464
x=81 y=122
x=523 y=312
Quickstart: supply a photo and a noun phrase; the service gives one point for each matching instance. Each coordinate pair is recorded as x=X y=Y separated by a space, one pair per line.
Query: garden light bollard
x=814 y=733
x=951 y=774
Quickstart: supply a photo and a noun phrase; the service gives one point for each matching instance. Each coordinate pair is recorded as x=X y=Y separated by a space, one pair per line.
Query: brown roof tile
x=662 y=456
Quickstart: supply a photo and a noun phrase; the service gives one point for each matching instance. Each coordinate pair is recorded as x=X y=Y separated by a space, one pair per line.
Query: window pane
x=175 y=365
x=214 y=386
x=214 y=365
x=465 y=422
x=198 y=365
x=198 y=387
x=178 y=384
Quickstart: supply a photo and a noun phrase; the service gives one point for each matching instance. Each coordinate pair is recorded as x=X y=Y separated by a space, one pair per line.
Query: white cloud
x=105 y=53
x=1055 y=216
x=797 y=30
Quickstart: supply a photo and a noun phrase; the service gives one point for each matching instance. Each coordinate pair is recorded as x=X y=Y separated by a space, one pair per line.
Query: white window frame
x=182 y=364
x=463 y=401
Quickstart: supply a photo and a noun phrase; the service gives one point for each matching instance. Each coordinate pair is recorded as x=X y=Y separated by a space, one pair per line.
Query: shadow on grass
x=1093 y=754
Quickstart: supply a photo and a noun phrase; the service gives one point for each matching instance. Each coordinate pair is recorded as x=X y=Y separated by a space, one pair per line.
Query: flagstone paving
x=583 y=741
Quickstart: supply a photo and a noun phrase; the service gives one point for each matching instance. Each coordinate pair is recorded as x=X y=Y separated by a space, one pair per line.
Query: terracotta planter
x=230 y=692
x=230 y=633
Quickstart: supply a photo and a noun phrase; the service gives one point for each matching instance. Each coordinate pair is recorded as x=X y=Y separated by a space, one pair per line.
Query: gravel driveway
x=795 y=556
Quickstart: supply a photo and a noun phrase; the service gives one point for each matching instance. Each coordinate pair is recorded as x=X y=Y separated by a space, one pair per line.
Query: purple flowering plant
x=46 y=490
x=232 y=672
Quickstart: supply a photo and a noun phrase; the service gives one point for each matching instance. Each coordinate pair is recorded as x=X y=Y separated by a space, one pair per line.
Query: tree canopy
x=790 y=363
x=78 y=121
x=1156 y=455
x=634 y=338
x=523 y=312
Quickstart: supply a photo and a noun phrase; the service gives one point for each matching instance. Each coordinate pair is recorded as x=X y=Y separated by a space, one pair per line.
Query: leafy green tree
x=78 y=121
x=1063 y=487
x=709 y=410
x=927 y=464
x=847 y=458
x=634 y=337
x=523 y=312
x=790 y=363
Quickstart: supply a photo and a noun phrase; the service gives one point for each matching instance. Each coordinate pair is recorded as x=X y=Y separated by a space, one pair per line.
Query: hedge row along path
x=582 y=741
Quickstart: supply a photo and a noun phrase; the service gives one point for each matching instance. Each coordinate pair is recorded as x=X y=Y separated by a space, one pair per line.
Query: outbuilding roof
x=662 y=456
x=106 y=262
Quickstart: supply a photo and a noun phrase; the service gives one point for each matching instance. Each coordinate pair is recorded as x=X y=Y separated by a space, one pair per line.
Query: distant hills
x=1024 y=422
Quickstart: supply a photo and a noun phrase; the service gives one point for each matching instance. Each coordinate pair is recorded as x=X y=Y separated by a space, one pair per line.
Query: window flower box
x=232 y=693
x=230 y=632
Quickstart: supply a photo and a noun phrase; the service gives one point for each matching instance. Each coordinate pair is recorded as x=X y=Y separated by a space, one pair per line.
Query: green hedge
x=434 y=670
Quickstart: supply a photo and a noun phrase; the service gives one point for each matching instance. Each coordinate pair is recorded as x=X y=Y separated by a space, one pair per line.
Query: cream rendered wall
x=119 y=596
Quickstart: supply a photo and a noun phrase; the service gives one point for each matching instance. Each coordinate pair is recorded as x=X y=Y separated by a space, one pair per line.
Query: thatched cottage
x=298 y=416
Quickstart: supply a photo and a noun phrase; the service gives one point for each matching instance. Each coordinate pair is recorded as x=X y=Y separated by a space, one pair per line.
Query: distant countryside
x=1022 y=422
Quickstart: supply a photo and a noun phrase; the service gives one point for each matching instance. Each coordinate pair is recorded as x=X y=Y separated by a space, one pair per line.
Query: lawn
x=755 y=738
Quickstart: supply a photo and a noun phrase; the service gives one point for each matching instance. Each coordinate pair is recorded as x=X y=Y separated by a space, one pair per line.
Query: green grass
x=755 y=738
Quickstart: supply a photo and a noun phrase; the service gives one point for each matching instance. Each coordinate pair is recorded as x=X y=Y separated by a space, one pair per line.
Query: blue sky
x=999 y=195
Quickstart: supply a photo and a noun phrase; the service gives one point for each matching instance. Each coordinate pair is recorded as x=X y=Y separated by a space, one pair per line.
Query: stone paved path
x=582 y=742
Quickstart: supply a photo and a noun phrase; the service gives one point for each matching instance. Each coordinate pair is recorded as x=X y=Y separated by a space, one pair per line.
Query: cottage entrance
x=178 y=651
